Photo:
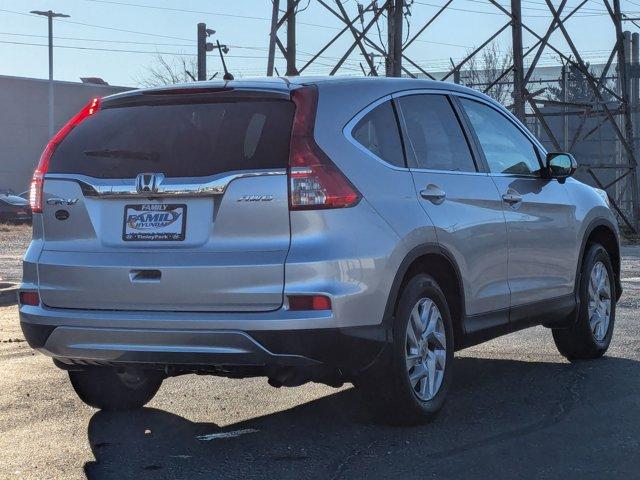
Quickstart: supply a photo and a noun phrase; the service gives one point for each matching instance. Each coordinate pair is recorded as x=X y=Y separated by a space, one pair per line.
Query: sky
x=119 y=40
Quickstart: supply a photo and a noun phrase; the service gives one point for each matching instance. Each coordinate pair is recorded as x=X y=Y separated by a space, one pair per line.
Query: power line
x=169 y=36
x=484 y=12
x=164 y=36
x=104 y=40
x=201 y=12
x=120 y=30
x=443 y=43
x=101 y=26
x=543 y=4
x=73 y=47
x=156 y=52
x=192 y=43
x=134 y=42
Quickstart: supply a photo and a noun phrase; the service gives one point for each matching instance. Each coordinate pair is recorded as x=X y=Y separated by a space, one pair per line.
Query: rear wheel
x=110 y=389
x=410 y=388
x=591 y=335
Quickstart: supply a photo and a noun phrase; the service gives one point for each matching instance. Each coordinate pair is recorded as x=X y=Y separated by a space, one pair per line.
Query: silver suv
x=329 y=230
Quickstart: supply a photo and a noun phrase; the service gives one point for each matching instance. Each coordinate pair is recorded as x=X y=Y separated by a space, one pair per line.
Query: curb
x=8 y=294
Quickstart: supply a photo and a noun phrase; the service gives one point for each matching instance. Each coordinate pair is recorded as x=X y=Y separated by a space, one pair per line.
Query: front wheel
x=410 y=388
x=591 y=335
x=117 y=390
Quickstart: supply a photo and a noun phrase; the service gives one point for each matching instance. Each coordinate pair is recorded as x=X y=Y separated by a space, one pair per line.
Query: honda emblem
x=148 y=182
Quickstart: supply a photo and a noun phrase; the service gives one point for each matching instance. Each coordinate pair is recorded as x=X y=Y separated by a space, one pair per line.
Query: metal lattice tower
x=616 y=108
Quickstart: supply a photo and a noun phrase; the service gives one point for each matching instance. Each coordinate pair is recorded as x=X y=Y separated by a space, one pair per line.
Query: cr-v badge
x=61 y=201
x=255 y=198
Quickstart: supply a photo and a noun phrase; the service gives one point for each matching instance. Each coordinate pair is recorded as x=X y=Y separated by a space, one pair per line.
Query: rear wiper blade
x=132 y=154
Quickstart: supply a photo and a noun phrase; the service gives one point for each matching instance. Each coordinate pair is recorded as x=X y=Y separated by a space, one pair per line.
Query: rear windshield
x=183 y=140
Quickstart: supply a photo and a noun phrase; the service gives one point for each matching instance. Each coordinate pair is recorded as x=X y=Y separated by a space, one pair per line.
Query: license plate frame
x=164 y=222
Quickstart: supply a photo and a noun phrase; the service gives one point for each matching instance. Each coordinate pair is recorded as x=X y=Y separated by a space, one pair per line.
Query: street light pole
x=50 y=16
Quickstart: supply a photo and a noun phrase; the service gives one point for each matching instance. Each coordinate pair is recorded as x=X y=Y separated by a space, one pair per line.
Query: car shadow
x=503 y=419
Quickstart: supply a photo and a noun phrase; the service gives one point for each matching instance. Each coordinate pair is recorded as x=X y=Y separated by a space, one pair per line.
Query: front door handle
x=512 y=198
x=434 y=194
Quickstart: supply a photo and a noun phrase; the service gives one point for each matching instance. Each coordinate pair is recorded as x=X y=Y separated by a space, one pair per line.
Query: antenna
x=224 y=49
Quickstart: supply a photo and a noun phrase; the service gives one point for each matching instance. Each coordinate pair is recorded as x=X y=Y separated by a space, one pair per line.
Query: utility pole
x=518 y=60
x=456 y=72
x=273 y=35
x=626 y=39
x=203 y=48
x=635 y=87
x=291 y=38
x=395 y=12
x=372 y=59
x=50 y=16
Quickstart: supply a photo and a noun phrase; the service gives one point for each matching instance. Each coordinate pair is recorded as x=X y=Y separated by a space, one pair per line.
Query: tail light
x=314 y=180
x=37 y=182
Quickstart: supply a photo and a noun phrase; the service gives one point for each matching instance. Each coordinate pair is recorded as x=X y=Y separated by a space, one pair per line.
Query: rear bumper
x=170 y=347
x=91 y=337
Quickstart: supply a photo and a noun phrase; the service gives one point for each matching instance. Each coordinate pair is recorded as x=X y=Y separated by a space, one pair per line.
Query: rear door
x=461 y=201
x=170 y=202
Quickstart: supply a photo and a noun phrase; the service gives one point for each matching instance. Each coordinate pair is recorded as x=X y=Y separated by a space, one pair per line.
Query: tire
x=589 y=337
x=108 y=389
x=389 y=388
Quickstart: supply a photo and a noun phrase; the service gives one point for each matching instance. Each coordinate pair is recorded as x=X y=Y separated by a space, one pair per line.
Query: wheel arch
x=603 y=232
x=438 y=262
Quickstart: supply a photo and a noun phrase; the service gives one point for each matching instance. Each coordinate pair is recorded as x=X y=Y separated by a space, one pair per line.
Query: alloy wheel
x=599 y=306
x=426 y=349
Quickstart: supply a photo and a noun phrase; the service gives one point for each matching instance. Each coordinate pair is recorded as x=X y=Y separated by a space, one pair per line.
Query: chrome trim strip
x=448 y=172
x=348 y=129
x=170 y=187
x=423 y=91
x=516 y=175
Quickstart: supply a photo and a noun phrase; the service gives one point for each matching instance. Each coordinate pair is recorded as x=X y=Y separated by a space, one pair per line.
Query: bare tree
x=578 y=88
x=484 y=68
x=164 y=72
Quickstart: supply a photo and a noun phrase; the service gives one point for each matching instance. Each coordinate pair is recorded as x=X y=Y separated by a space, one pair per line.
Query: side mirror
x=561 y=165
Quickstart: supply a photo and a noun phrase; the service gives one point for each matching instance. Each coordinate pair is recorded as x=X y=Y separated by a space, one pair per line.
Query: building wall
x=24 y=121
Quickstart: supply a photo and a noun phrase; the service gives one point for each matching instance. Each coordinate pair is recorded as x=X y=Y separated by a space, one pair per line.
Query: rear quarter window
x=378 y=132
x=179 y=140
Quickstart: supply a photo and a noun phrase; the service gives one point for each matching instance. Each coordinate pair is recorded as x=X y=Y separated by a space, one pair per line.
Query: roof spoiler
x=195 y=94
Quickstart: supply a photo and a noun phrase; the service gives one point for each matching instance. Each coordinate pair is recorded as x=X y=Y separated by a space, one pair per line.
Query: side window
x=505 y=147
x=378 y=132
x=435 y=134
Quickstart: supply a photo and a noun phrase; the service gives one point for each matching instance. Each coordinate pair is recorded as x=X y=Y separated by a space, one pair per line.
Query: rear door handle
x=512 y=198
x=434 y=194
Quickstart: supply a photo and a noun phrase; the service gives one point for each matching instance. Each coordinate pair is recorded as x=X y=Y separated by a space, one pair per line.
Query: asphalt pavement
x=517 y=410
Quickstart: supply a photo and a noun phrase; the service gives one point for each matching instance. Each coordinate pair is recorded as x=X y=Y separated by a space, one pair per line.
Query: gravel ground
x=14 y=240
x=517 y=410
